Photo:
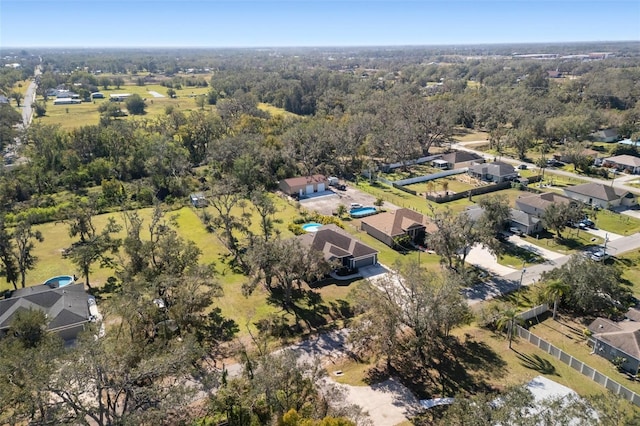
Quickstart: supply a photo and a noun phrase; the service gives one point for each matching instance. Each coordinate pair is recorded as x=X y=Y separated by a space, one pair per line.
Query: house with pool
x=66 y=307
x=337 y=245
x=389 y=226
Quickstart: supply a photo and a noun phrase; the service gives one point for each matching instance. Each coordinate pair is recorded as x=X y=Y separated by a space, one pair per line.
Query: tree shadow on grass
x=454 y=367
x=537 y=363
x=309 y=309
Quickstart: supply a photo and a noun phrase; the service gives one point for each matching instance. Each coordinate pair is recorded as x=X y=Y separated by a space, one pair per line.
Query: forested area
x=345 y=112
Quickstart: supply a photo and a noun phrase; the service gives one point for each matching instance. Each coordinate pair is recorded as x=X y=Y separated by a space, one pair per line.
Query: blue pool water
x=311 y=226
x=59 y=281
x=363 y=211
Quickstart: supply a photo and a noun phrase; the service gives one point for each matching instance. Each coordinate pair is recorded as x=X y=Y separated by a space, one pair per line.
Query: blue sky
x=246 y=23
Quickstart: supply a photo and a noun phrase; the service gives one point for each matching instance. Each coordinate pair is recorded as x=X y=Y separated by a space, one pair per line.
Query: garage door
x=321 y=187
x=365 y=262
x=309 y=189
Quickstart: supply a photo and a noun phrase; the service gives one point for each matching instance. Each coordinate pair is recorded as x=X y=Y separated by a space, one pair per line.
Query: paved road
x=617 y=183
x=29 y=98
x=531 y=274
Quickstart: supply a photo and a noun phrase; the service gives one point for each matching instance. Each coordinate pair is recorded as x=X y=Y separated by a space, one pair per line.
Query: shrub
x=296 y=229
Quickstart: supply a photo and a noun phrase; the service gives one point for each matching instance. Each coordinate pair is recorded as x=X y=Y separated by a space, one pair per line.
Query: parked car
x=355 y=206
x=522 y=167
x=515 y=230
x=588 y=223
x=600 y=255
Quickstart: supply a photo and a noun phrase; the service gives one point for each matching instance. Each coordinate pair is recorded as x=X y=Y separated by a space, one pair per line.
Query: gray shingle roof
x=63 y=306
x=624 y=335
x=336 y=243
x=461 y=157
x=597 y=190
x=497 y=168
x=541 y=201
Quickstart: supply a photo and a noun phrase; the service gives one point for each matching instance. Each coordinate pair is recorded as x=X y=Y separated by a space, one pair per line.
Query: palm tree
x=508 y=320
x=555 y=290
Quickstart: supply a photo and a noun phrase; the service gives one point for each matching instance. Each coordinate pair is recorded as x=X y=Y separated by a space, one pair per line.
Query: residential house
x=457 y=160
x=566 y=158
x=337 y=245
x=389 y=226
x=536 y=204
x=625 y=163
x=493 y=172
x=598 y=194
x=302 y=186
x=617 y=341
x=527 y=223
x=605 y=135
x=66 y=308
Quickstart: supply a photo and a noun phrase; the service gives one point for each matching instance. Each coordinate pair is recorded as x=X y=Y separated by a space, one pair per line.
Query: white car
x=355 y=206
x=599 y=255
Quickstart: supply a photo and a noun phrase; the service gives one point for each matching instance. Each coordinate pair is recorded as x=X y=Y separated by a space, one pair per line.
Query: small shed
x=198 y=199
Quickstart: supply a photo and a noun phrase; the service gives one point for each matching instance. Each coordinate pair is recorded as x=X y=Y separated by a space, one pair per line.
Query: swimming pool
x=59 y=281
x=362 y=212
x=311 y=226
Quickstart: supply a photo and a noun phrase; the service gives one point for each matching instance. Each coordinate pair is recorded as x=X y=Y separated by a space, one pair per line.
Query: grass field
x=464 y=135
x=615 y=222
x=514 y=366
x=452 y=183
x=245 y=311
x=86 y=113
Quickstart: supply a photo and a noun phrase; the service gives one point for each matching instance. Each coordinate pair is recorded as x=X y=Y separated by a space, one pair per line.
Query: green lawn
x=86 y=113
x=245 y=311
x=615 y=222
x=629 y=263
x=515 y=256
x=574 y=241
x=21 y=87
x=567 y=334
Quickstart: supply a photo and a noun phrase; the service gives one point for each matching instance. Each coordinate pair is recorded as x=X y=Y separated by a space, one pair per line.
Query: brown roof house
x=626 y=163
x=536 y=204
x=597 y=194
x=389 y=226
x=66 y=308
x=337 y=245
x=494 y=172
x=457 y=160
x=617 y=341
x=304 y=186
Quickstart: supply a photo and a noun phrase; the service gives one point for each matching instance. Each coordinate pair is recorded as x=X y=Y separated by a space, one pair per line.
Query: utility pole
x=522 y=275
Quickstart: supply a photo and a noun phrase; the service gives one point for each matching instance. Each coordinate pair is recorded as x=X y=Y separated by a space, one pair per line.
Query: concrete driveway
x=388 y=403
x=328 y=204
x=483 y=258
x=540 y=251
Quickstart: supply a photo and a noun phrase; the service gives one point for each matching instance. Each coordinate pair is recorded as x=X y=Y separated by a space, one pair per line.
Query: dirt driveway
x=328 y=204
